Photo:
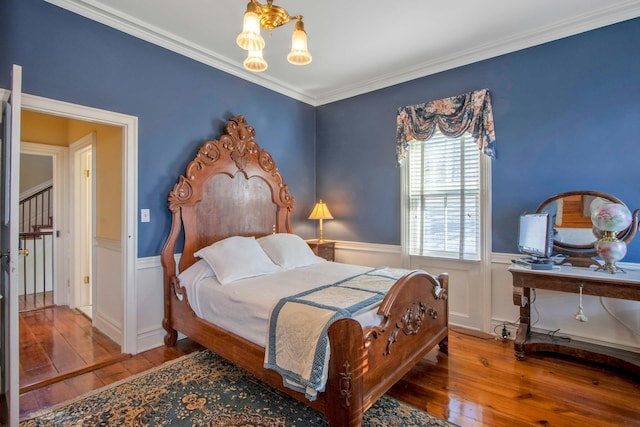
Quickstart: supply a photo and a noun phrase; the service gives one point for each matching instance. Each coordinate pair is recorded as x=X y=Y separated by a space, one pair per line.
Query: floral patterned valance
x=453 y=116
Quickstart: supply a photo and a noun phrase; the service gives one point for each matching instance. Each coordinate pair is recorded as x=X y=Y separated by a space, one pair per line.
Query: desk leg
x=522 y=298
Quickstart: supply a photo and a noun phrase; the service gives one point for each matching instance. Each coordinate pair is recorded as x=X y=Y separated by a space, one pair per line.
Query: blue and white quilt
x=297 y=342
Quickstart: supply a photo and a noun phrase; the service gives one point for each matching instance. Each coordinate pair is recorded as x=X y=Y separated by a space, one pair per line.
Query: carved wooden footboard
x=366 y=363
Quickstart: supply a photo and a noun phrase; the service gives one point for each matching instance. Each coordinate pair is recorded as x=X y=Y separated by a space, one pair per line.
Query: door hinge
x=86 y=173
x=85 y=280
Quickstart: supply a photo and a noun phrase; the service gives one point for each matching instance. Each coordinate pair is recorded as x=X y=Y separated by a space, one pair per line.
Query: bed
x=233 y=190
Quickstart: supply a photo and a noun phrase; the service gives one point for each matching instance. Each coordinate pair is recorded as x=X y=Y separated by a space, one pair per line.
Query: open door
x=9 y=167
x=82 y=202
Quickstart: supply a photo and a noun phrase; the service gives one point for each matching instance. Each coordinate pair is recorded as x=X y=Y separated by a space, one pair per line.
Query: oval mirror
x=572 y=222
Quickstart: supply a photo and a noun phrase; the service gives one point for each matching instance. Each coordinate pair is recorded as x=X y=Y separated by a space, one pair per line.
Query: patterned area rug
x=203 y=389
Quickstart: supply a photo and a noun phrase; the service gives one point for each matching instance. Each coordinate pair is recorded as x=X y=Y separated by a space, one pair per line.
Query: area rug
x=203 y=389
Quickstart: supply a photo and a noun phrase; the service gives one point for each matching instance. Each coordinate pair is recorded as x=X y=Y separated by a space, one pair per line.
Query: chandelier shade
x=299 y=54
x=269 y=16
x=255 y=62
x=250 y=38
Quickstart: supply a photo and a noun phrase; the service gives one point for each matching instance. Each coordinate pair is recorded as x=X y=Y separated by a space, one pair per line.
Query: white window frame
x=485 y=213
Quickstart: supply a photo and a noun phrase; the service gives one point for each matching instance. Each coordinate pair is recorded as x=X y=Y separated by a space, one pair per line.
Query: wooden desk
x=568 y=279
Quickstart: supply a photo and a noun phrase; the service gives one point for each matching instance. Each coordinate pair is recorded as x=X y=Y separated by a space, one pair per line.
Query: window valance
x=453 y=116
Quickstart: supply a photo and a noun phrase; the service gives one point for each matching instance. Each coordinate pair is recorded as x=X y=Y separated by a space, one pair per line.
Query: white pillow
x=196 y=272
x=236 y=258
x=288 y=250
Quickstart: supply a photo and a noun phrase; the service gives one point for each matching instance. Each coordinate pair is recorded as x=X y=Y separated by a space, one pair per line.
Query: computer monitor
x=535 y=235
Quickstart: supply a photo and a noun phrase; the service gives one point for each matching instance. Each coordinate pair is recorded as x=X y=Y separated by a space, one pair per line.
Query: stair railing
x=36 y=243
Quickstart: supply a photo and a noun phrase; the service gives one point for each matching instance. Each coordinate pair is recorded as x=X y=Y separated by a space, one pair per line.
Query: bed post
x=169 y=268
x=443 y=278
x=345 y=389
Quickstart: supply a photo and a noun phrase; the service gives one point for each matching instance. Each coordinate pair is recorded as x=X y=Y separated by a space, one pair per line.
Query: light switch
x=145 y=216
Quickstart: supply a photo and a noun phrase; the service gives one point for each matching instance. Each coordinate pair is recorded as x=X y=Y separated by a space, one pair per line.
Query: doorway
x=68 y=344
x=124 y=129
x=57 y=213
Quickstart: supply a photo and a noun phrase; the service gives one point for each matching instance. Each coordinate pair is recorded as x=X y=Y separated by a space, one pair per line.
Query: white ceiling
x=357 y=46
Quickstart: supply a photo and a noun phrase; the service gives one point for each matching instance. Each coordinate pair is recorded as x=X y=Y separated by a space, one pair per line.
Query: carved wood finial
x=345 y=383
x=238 y=129
x=181 y=191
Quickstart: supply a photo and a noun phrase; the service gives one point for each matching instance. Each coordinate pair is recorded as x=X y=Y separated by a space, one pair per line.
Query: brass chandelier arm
x=273 y=16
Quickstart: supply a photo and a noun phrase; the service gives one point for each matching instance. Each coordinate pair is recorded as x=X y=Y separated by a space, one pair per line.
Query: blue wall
x=567 y=117
x=180 y=103
x=566 y=114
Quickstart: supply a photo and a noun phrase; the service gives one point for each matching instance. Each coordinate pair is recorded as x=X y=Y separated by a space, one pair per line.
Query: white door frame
x=129 y=238
x=59 y=157
x=79 y=209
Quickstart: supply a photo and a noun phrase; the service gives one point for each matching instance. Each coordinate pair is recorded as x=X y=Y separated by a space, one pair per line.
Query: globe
x=607 y=216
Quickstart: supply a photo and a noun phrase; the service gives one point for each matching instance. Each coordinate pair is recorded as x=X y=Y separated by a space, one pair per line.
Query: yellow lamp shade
x=320 y=211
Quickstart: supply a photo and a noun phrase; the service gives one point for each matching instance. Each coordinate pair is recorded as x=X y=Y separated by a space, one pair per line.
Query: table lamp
x=609 y=219
x=321 y=212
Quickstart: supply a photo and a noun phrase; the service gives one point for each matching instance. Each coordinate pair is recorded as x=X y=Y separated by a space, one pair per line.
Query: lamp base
x=320 y=239
x=611 y=250
x=611 y=268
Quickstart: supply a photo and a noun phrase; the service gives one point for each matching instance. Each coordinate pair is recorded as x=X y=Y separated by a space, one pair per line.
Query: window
x=443 y=184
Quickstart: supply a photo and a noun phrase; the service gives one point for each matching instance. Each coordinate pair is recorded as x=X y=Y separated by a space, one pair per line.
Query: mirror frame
x=584 y=253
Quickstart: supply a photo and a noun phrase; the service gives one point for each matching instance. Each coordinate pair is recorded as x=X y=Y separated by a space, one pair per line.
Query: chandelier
x=269 y=16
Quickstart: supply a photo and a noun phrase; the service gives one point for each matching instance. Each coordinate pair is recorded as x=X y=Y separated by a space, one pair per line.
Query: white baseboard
x=109 y=327
x=146 y=340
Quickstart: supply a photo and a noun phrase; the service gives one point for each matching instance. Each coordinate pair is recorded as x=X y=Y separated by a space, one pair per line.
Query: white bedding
x=244 y=307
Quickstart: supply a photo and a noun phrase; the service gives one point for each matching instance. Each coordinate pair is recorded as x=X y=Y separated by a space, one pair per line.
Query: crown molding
x=127 y=24
x=566 y=28
x=144 y=31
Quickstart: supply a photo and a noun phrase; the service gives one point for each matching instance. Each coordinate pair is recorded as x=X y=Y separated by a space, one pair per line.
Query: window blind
x=444 y=197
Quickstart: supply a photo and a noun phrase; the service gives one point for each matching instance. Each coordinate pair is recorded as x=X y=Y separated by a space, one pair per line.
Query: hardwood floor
x=70 y=388
x=35 y=301
x=479 y=383
x=57 y=341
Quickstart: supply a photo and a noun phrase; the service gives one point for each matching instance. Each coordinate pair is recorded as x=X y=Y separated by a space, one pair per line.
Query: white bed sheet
x=244 y=307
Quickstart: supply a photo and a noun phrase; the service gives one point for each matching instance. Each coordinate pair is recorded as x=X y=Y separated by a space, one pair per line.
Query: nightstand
x=325 y=249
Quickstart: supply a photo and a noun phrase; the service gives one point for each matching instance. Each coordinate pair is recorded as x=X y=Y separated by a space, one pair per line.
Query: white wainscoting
x=556 y=310
x=109 y=310
x=466 y=308
x=151 y=300
x=368 y=254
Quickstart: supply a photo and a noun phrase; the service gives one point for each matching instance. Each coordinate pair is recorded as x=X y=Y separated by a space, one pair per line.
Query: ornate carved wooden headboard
x=231 y=188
